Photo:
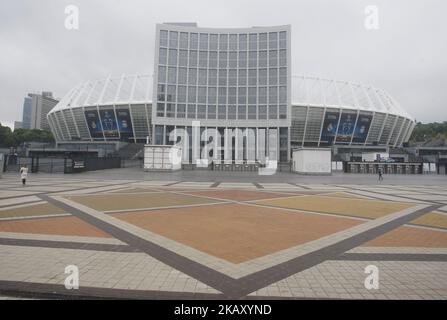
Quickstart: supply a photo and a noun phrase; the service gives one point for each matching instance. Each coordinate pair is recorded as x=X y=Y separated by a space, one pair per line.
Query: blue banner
x=362 y=128
x=124 y=123
x=329 y=127
x=346 y=127
x=108 y=121
x=93 y=123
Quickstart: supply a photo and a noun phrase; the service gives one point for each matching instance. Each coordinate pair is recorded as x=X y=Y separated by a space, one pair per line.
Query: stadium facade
x=232 y=87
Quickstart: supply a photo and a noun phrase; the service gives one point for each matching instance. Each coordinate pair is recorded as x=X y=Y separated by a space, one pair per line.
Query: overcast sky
x=407 y=55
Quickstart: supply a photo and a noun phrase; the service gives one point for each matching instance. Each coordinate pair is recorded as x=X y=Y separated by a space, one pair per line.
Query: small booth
x=312 y=161
x=162 y=158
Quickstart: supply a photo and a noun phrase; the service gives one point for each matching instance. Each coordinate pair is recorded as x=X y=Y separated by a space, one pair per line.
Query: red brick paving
x=235 y=232
x=64 y=226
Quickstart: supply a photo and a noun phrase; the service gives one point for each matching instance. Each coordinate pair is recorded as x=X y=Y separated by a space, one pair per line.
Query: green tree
x=428 y=131
x=5 y=136
x=20 y=136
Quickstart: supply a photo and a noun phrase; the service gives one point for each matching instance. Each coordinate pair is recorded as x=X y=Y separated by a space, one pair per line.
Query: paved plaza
x=206 y=235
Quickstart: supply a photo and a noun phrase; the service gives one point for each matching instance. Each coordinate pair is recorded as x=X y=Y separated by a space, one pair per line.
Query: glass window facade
x=236 y=72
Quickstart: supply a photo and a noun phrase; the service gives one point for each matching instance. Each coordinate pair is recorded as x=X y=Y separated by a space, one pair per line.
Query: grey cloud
x=406 y=56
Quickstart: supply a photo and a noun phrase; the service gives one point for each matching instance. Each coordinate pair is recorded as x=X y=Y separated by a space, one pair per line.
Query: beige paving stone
x=412 y=250
x=30 y=210
x=109 y=202
x=134 y=190
x=345 y=280
x=13 y=193
x=45 y=265
x=345 y=195
x=19 y=200
x=236 y=185
x=432 y=219
x=353 y=207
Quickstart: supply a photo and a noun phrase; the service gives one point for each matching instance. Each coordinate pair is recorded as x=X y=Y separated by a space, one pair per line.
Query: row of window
x=213 y=77
x=223 y=59
x=231 y=95
x=192 y=111
x=205 y=41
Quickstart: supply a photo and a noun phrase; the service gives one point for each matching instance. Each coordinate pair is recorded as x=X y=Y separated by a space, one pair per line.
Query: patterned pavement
x=157 y=239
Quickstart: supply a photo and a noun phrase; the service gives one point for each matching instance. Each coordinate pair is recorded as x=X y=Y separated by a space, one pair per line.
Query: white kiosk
x=162 y=158
x=312 y=161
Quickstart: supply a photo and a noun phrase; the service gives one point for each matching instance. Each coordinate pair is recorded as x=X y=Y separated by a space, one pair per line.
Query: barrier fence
x=66 y=165
x=386 y=168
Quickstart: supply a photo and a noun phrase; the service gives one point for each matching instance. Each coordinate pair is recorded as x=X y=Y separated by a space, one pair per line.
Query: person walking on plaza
x=380 y=174
x=24 y=174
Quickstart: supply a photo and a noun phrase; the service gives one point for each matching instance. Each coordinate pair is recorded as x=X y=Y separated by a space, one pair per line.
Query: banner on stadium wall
x=346 y=127
x=329 y=127
x=109 y=126
x=124 y=123
x=93 y=123
x=362 y=128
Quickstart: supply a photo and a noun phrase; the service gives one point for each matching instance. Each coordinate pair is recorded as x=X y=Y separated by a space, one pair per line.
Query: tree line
x=428 y=131
x=9 y=138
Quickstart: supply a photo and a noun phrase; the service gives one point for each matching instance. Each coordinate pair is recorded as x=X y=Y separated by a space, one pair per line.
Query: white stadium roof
x=313 y=91
x=306 y=91
x=113 y=90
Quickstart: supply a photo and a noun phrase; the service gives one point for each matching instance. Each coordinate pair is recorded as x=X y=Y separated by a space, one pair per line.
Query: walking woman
x=24 y=174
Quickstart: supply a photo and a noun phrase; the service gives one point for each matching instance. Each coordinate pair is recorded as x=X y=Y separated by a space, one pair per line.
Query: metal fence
x=35 y=164
x=67 y=165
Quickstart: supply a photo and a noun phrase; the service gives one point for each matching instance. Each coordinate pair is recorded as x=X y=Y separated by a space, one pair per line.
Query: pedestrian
x=380 y=174
x=24 y=174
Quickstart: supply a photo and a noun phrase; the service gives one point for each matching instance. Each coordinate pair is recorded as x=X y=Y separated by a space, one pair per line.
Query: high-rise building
x=27 y=107
x=228 y=80
x=35 y=109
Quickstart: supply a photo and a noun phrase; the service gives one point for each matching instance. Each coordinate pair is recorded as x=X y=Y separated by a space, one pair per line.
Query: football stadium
x=236 y=87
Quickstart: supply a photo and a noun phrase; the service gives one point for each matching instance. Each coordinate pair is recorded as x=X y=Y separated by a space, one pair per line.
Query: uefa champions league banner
x=108 y=121
x=124 y=123
x=362 y=128
x=329 y=127
x=93 y=123
x=346 y=127
x=106 y=124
